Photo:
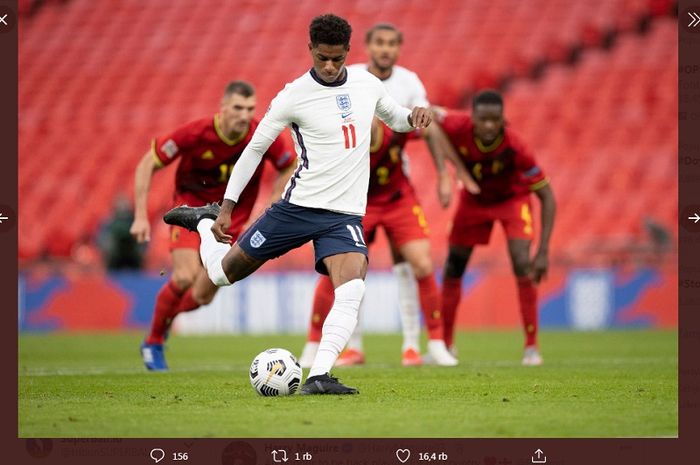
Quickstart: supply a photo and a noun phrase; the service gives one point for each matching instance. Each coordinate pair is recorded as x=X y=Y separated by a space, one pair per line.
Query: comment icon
x=157 y=455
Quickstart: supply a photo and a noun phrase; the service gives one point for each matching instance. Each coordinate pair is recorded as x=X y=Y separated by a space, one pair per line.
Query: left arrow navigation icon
x=7 y=218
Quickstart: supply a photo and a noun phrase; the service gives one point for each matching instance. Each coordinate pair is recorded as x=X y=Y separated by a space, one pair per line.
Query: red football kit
x=505 y=171
x=207 y=157
x=391 y=200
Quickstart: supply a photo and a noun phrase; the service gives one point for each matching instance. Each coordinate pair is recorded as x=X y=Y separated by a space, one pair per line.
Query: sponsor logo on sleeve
x=284 y=159
x=535 y=170
x=169 y=148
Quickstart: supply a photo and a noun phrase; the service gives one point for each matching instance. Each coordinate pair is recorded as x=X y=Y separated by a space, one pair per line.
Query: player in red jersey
x=208 y=150
x=392 y=204
x=506 y=173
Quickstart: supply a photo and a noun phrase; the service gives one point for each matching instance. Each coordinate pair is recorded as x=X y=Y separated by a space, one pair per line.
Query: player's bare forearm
x=142 y=184
x=540 y=263
x=438 y=145
x=439 y=138
x=463 y=174
x=227 y=207
x=548 y=212
x=141 y=228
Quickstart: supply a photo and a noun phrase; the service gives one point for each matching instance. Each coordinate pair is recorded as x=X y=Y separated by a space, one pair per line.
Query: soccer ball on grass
x=275 y=372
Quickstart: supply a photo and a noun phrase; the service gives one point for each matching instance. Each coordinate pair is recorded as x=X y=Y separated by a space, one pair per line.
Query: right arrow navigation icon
x=694 y=19
x=539 y=457
x=695 y=218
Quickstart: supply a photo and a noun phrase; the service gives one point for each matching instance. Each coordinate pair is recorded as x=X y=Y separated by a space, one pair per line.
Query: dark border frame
x=373 y=451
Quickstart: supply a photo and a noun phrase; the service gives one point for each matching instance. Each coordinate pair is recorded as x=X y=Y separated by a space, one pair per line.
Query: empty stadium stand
x=99 y=79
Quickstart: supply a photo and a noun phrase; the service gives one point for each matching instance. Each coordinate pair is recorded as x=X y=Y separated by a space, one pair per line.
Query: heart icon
x=403 y=455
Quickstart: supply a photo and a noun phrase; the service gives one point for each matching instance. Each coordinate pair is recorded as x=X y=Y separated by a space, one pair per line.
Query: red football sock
x=187 y=303
x=166 y=305
x=430 y=305
x=323 y=301
x=451 y=295
x=527 y=294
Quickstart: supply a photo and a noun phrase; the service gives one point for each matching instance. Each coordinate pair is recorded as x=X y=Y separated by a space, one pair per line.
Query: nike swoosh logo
x=345 y=115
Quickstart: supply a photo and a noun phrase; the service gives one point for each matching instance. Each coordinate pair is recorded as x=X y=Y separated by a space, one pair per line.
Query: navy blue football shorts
x=285 y=226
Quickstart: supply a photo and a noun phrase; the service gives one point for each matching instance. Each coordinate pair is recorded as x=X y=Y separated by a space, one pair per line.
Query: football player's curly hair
x=486 y=97
x=330 y=29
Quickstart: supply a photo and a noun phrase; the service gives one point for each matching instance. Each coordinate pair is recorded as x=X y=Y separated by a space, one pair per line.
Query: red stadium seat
x=92 y=97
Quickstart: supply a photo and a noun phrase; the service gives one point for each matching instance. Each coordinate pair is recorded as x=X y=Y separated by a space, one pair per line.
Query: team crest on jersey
x=257 y=239
x=343 y=102
x=169 y=148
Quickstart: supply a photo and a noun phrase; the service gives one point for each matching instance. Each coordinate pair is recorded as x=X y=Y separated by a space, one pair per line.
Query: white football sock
x=337 y=328
x=355 y=341
x=408 y=306
x=212 y=253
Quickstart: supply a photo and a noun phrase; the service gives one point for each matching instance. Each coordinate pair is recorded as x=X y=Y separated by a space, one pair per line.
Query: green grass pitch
x=593 y=384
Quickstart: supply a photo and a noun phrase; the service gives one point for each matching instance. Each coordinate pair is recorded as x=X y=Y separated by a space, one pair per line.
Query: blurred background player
x=208 y=149
x=392 y=204
x=120 y=250
x=506 y=173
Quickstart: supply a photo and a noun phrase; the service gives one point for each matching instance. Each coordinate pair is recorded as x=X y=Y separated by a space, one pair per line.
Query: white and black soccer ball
x=275 y=372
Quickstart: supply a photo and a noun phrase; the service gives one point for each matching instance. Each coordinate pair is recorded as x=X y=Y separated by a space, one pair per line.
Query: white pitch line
x=481 y=364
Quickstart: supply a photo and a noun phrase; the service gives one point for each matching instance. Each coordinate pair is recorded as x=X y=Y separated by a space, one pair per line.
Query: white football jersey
x=403 y=85
x=331 y=126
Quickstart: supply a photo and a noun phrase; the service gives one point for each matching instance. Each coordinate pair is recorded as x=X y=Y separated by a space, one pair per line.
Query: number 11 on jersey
x=349 y=134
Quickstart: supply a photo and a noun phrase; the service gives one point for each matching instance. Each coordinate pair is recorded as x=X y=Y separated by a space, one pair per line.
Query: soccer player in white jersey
x=330 y=111
x=409 y=242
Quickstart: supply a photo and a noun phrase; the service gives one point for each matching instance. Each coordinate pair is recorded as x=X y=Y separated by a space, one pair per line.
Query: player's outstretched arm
x=463 y=175
x=277 y=117
x=540 y=263
x=283 y=176
x=141 y=227
x=398 y=118
x=451 y=155
x=439 y=145
x=243 y=171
